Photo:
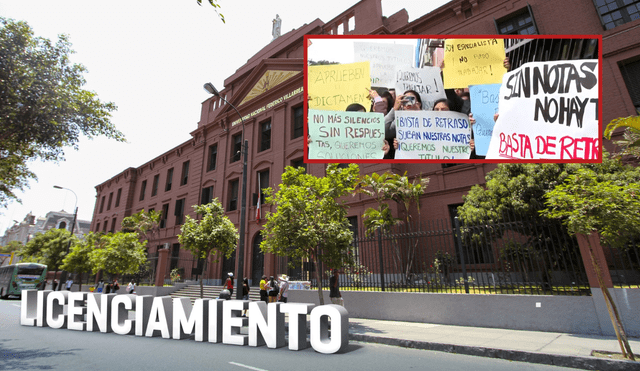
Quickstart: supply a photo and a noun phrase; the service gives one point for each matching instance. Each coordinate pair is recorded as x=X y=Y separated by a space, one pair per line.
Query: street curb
x=584 y=363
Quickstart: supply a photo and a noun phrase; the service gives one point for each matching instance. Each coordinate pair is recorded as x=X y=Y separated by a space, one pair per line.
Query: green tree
x=119 y=253
x=144 y=223
x=48 y=248
x=43 y=108
x=406 y=193
x=213 y=233
x=630 y=143
x=310 y=221
x=216 y=6
x=78 y=260
x=588 y=204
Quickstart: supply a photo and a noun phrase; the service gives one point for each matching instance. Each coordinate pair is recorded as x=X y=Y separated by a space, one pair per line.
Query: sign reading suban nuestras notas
x=432 y=135
x=207 y=320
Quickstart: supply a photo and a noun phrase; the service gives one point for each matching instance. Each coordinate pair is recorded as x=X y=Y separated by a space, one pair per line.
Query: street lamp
x=243 y=210
x=63 y=275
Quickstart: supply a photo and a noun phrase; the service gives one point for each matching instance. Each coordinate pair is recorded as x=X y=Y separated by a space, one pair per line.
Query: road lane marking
x=16 y=305
x=247 y=367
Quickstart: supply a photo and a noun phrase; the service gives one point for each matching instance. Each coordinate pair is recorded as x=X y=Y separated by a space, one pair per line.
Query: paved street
x=33 y=348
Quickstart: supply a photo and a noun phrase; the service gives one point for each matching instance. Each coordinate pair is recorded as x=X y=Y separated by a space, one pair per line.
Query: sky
x=151 y=59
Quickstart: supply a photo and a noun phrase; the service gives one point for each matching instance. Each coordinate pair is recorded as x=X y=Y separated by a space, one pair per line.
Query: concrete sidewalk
x=559 y=349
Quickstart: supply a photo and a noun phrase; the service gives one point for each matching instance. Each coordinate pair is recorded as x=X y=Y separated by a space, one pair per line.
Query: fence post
x=464 y=267
x=381 y=260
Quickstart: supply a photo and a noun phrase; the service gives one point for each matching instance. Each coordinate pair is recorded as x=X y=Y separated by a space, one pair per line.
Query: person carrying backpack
x=272 y=289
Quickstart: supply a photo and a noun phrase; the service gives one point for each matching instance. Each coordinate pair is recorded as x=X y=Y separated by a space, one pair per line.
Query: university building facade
x=268 y=93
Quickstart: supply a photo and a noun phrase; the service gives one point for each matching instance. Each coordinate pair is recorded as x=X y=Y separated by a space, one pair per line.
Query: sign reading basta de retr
x=207 y=320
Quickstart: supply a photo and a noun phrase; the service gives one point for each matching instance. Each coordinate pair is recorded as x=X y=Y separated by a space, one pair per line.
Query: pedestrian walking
x=115 y=287
x=272 y=289
x=263 y=292
x=284 y=288
x=229 y=284
x=100 y=286
x=69 y=284
x=131 y=287
x=245 y=293
x=334 y=289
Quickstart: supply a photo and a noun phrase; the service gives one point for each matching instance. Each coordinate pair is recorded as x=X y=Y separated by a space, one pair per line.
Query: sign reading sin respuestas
x=210 y=320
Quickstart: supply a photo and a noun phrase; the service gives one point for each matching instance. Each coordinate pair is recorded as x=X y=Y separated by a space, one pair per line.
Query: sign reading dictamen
x=210 y=320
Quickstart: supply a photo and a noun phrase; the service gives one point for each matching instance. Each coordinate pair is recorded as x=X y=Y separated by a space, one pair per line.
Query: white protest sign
x=430 y=135
x=339 y=135
x=426 y=81
x=548 y=110
x=385 y=60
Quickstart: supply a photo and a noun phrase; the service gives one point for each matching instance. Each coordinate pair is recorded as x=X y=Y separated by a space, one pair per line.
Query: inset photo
x=443 y=99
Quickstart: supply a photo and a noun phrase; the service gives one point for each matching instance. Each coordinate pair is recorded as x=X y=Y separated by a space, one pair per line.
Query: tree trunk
x=613 y=311
x=318 y=277
x=80 y=281
x=201 y=280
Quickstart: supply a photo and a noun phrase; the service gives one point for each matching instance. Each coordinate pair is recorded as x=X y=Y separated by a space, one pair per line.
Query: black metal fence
x=515 y=256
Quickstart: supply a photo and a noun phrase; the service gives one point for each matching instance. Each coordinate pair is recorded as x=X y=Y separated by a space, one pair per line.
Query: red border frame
x=308 y=38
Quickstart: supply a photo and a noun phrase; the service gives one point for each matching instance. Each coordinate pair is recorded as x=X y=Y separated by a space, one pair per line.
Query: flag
x=258 y=204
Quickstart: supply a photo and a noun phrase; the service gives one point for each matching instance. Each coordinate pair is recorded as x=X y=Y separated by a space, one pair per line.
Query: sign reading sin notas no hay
x=548 y=110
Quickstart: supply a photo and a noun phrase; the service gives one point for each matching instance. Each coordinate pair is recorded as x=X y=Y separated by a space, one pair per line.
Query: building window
x=179 y=211
x=236 y=147
x=104 y=227
x=143 y=188
x=263 y=183
x=207 y=195
x=631 y=74
x=102 y=204
x=163 y=217
x=167 y=186
x=62 y=225
x=265 y=136
x=213 y=154
x=299 y=162
x=298 y=122
x=98 y=227
x=154 y=189
x=616 y=12
x=110 y=199
x=113 y=225
x=185 y=173
x=118 y=197
x=520 y=22
x=233 y=195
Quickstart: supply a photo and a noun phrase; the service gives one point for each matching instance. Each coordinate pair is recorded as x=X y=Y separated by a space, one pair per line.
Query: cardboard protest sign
x=548 y=110
x=384 y=60
x=339 y=135
x=432 y=135
x=335 y=86
x=426 y=81
x=473 y=62
x=484 y=104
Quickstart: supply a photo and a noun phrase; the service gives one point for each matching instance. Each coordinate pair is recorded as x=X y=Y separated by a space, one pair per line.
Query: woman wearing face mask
x=409 y=101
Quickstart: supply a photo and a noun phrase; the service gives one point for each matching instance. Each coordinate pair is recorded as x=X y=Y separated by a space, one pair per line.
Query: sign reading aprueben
x=345 y=135
x=336 y=86
x=548 y=110
x=210 y=320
